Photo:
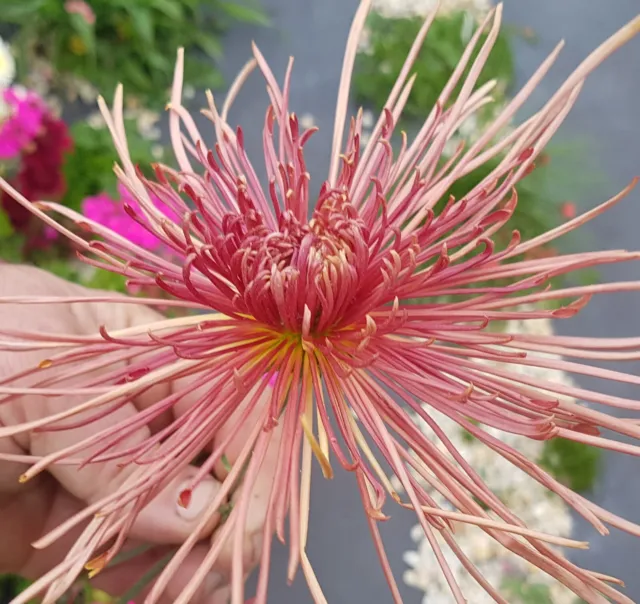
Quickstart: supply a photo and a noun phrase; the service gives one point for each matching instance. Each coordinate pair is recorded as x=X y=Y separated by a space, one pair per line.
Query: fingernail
x=198 y=499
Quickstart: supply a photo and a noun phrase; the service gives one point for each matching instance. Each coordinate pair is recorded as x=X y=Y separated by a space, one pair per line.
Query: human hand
x=30 y=510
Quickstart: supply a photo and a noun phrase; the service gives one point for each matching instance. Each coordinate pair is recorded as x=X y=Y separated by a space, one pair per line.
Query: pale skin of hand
x=30 y=510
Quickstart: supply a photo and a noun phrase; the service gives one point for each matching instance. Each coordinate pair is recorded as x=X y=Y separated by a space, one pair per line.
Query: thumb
x=162 y=520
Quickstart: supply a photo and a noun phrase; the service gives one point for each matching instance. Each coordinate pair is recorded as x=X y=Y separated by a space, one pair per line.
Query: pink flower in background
x=569 y=210
x=107 y=211
x=36 y=142
x=26 y=113
x=79 y=7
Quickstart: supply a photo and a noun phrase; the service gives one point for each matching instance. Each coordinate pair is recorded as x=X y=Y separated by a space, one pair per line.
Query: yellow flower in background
x=77 y=46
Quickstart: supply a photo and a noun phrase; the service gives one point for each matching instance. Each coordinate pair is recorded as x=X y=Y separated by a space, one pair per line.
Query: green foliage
x=131 y=41
x=70 y=271
x=11 y=246
x=574 y=464
x=541 y=193
x=519 y=591
x=535 y=212
x=11 y=585
x=6 y=229
x=390 y=40
x=88 y=169
x=107 y=280
x=134 y=592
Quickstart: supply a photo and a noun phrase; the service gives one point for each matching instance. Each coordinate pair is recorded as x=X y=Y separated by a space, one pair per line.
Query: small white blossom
x=96 y=121
x=7 y=65
x=367 y=119
x=410 y=8
x=157 y=151
x=307 y=121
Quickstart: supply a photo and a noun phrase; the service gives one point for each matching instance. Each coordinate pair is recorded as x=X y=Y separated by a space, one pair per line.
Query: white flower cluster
x=530 y=501
x=7 y=73
x=7 y=65
x=411 y=8
x=399 y=9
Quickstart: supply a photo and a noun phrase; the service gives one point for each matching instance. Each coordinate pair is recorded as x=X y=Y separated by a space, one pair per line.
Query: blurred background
x=56 y=56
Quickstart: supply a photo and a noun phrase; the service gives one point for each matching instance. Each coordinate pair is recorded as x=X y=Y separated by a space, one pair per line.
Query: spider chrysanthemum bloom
x=326 y=320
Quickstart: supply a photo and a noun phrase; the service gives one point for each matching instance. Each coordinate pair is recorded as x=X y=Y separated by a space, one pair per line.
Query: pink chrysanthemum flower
x=330 y=332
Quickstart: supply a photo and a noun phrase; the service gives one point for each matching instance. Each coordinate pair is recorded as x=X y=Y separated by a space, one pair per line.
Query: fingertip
x=178 y=511
x=190 y=503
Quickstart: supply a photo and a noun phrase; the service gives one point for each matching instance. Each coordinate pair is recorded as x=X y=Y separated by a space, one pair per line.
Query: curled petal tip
x=377 y=515
x=634 y=25
x=97 y=564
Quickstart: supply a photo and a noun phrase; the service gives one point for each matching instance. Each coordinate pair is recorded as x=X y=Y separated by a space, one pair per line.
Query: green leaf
x=158 y=61
x=85 y=31
x=225 y=511
x=209 y=44
x=6 y=228
x=60 y=267
x=226 y=464
x=16 y=12
x=89 y=168
x=12 y=585
x=574 y=464
x=142 y=22
x=107 y=280
x=11 y=248
x=244 y=13
x=202 y=74
x=135 y=73
x=171 y=9
x=520 y=591
x=146 y=579
x=128 y=555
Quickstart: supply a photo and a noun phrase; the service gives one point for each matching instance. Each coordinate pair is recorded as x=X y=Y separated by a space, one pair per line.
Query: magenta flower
x=342 y=313
x=116 y=216
x=26 y=113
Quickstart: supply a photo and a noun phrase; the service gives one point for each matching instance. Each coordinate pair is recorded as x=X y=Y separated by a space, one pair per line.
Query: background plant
x=128 y=41
x=87 y=171
x=542 y=195
x=388 y=42
x=89 y=167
